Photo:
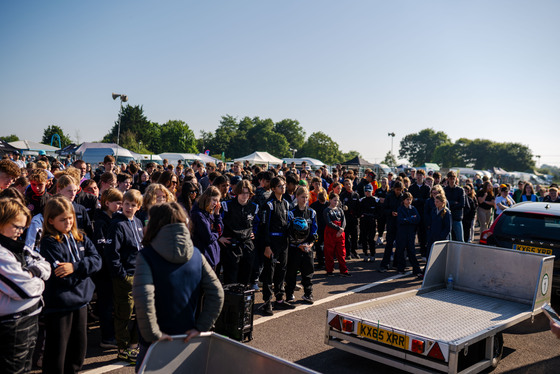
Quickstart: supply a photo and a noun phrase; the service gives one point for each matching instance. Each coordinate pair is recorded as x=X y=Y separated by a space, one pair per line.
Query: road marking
x=329 y=299
x=121 y=364
x=107 y=368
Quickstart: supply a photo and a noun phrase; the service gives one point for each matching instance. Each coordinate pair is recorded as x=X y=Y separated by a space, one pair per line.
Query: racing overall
x=334 y=245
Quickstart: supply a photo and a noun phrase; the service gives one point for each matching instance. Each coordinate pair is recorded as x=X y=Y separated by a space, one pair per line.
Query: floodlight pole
x=392 y=135
x=124 y=98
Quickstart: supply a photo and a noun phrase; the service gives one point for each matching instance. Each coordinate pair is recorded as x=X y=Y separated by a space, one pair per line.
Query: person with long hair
x=169 y=180
x=300 y=252
x=469 y=213
x=486 y=202
x=440 y=221
x=69 y=289
x=529 y=193
x=170 y=268
x=207 y=225
x=156 y=193
x=335 y=240
x=189 y=194
x=22 y=276
x=239 y=217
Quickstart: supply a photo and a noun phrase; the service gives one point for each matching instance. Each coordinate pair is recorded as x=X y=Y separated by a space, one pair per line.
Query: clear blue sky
x=354 y=69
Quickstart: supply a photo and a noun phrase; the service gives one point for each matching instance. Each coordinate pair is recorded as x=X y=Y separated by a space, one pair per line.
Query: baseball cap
x=368 y=187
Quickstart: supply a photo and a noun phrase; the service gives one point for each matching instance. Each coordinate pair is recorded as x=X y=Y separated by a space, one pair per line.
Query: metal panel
x=213 y=353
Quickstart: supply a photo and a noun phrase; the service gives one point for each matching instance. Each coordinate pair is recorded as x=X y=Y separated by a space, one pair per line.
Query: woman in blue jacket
x=207 y=225
x=440 y=221
x=407 y=220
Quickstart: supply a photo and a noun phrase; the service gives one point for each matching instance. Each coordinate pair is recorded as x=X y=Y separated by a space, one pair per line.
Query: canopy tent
x=498 y=171
x=429 y=166
x=5 y=147
x=310 y=161
x=357 y=161
x=68 y=150
x=29 y=147
x=260 y=158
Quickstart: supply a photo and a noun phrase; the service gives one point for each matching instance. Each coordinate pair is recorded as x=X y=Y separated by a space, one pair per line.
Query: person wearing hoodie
x=207 y=225
x=170 y=267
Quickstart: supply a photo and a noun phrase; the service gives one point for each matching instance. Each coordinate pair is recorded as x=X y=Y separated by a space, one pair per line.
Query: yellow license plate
x=382 y=335
x=527 y=248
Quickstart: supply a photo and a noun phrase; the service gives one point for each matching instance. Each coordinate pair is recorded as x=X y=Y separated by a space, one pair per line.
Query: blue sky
x=355 y=70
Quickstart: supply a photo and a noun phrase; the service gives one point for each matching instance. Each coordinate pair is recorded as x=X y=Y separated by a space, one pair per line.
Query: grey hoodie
x=173 y=243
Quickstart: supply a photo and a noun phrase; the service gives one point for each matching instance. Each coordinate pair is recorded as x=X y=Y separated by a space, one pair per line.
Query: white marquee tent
x=260 y=158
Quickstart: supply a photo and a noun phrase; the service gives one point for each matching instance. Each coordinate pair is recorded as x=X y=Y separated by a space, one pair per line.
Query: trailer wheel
x=498 y=349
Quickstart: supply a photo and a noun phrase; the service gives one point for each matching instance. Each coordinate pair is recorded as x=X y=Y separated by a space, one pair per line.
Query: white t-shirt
x=507 y=201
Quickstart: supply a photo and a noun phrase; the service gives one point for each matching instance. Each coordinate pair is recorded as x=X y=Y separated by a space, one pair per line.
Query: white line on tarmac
x=107 y=368
x=121 y=364
x=330 y=298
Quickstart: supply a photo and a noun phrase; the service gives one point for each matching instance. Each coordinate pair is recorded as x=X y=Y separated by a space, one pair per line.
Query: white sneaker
x=297 y=287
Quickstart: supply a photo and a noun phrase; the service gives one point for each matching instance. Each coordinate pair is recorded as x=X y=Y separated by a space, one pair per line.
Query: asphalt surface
x=298 y=335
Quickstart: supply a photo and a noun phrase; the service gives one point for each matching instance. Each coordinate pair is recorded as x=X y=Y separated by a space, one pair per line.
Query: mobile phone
x=550 y=313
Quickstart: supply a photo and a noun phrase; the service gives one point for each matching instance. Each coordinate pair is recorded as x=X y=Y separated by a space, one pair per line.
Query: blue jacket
x=207 y=229
x=122 y=244
x=407 y=219
x=75 y=290
x=440 y=227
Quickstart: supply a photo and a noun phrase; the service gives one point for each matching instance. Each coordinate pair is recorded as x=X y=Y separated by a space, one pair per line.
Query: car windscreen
x=529 y=226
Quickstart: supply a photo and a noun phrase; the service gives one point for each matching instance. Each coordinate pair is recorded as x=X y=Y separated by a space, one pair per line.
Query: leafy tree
x=350 y=155
x=419 y=148
x=292 y=130
x=447 y=155
x=219 y=141
x=263 y=136
x=50 y=131
x=513 y=156
x=176 y=136
x=390 y=159
x=320 y=146
x=134 y=121
x=9 y=138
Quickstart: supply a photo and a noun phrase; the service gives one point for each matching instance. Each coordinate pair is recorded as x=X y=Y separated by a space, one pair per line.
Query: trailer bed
x=446 y=315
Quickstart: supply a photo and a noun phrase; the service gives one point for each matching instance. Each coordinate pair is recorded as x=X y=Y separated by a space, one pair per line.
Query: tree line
x=430 y=146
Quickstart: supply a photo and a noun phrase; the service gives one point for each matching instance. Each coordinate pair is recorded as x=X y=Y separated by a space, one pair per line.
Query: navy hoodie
x=75 y=290
x=122 y=244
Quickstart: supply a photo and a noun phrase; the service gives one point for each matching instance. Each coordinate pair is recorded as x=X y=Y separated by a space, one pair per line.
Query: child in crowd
x=334 y=236
x=36 y=196
x=407 y=218
x=111 y=202
x=300 y=252
x=69 y=289
x=124 y=240
x=67 y=186
x=368 y=205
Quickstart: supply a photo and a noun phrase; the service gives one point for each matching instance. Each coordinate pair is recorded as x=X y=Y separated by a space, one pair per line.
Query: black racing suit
x=420 y=194
x=368 y=208
x=351 y=206
x=240 y=222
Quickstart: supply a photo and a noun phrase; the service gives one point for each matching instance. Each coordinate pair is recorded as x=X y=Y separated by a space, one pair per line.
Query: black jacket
x=239 y=220
x=456 y=198
x=350 y=203
x=420 y=194
x=276 y=219
x=392 y=204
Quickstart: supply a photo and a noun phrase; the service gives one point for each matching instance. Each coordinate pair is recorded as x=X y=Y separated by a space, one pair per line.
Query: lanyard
x=135 y=234
x=73 y=247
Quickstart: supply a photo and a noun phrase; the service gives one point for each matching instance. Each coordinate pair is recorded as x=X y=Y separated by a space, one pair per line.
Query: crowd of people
x=128 y=233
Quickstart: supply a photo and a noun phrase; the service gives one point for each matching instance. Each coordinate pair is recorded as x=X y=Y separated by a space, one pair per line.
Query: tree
x=419 y=148
x=176 y=136
x=9 y=138
x=263 y=136
x=320 y=146
x=292 y=130
x=134 y=121
x=390 y=159
x=448 y=155
x=350 y=155
x=52 y=130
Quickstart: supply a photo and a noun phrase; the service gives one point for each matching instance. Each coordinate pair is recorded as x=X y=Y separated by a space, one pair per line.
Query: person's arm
x=482 y=198
x=143 y=292
x=112 y=251
x=16 y=282
x=91 y=262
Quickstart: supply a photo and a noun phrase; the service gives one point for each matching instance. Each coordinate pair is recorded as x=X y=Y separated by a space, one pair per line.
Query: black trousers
x=66 y=341
x=422 y=236
x=391 y=237
x=302 y=261
x=17 y=342
x=351 y=231
x=274 y=270
x=367 y=235
x=381 y=221
x=237 y=263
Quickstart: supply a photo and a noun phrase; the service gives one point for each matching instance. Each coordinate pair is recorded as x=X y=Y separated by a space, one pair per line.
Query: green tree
x=320 y=146
x=263 y=136
x=419 y=148
x=513 y=156
x=350 y=155
x=390 y=159
x=133 y=121
x=176 y=136
x=50 y=131
x=448 y=155
x=293 y=131
x=9 y=138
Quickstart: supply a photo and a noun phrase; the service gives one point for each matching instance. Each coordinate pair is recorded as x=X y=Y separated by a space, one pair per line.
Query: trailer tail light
x=417 y=346
x=335 y=323
x=347 y=325
x=484 y=236
x=436 y=353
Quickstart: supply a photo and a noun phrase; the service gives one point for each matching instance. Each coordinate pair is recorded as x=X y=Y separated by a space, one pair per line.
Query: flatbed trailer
x=435 y=329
